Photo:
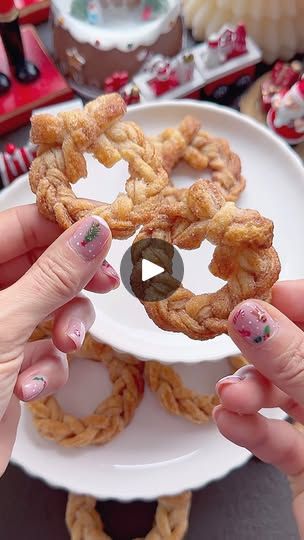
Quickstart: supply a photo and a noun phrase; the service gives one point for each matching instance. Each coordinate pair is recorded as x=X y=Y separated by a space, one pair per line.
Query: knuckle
x=54 y=275
x=290 y=364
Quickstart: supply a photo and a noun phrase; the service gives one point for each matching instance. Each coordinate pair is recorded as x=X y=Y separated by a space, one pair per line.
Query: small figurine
x=286 y=115
x=116 y=81
x=164 y=77
x=131 y=96
x=185 y=68
x=15 y=161
x=281 y=77
x=225 y=45
x=24 y=70
x=93 y=12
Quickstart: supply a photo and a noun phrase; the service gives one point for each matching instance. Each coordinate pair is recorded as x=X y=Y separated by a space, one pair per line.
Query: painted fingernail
x=230 y=379
x=33 y=387
x=76 y=331
x=109 y=271
x=253 y=323
x=90 y=237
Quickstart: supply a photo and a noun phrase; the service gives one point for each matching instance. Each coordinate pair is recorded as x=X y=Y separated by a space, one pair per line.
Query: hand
x=41 y=273
x=272 y=339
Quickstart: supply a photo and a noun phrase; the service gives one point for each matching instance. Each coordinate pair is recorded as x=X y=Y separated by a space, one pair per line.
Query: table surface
x=251 y=503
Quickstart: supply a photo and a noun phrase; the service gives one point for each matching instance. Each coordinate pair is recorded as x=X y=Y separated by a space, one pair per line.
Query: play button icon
x=151 y=269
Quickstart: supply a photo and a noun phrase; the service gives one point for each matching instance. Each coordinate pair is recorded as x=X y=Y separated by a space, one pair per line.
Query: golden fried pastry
x=202 y=151
x=170 y=522
x=172 y=143
x=177 y=398
x=110 y=417
x=244 y=257
x=62 y=141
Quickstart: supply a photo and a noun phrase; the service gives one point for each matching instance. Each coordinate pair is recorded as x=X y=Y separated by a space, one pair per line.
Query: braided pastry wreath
x=170 y=522
x=110 y=417
x=128 y=376
x=244 y=256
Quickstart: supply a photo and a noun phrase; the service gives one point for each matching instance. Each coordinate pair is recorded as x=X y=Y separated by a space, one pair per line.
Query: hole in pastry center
x=184 y=176
x=88 y=385
x=197 y=276
x=102 y=184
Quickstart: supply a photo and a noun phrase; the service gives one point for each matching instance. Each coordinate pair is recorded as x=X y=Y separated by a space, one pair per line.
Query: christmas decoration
x=116 y=81
x=76 y=62
x=229 y=43
x=281 y=77
x=275 y=25
x=185 y=68
x=286 y=115
x=131 y=96
x=33 y=11
x=165 y=78
x=189 y=74
x=151 y=8
x=17 y=104
x=24 y=70
x=111 y=35
x=93 y=12
x=15 y=161
x=79 y=9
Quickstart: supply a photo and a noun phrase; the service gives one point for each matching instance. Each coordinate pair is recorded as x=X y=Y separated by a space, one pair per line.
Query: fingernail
x=33 y=387
x=230 y=379
x=253 y=323
x=90 y=237
x=109 y=271
x=76 y=331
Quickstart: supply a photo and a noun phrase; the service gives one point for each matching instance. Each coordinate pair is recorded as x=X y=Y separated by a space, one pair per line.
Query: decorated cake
x=94 y=39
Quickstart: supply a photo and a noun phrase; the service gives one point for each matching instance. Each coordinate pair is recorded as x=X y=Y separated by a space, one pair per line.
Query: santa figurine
x=22 y=69
x=286 y=115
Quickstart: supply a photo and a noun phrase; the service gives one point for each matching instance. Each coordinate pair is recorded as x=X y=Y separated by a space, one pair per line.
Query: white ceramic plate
x=275 y=187
x=157 y=454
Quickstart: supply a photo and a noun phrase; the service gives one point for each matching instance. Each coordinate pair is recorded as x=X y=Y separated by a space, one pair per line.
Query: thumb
x=61 y=272
x=272 y=343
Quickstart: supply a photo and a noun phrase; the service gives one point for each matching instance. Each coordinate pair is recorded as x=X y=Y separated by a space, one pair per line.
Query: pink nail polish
x=109 y=271
x=90 y=237
x=76 y=331
x=253 y=323
x=33 y=387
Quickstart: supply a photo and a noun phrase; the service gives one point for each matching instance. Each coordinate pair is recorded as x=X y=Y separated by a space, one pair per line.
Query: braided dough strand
x=110 y=417
x=170 y=523
x=97 y=129
x=202 y=151
x=177 y=398
x=243 y=256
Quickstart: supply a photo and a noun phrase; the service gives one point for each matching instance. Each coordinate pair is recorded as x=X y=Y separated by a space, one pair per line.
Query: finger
x=8 y=430
x=247 y=391
x=285 y=297
x=104 y=280
x=272 y=441
x=71 y=322
x=59 y=274
x=43 y=372
x=272 y=343
x=22 y=229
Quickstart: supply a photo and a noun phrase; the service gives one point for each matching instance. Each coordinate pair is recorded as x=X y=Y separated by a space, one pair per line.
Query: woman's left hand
x=41 y=274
